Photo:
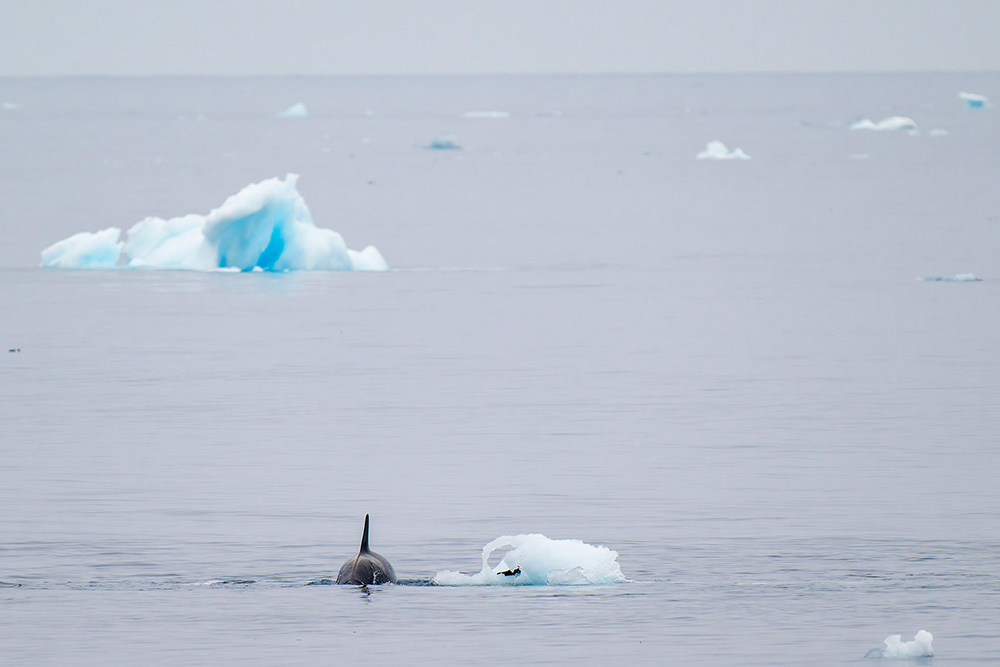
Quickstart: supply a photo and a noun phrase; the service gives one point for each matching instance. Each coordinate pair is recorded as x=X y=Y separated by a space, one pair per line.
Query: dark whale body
x=367 y=567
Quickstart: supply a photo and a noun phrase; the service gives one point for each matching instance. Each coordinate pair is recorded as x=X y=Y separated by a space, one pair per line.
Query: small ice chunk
x=716 y=150
x=894 y=647
x=369 y=259
x=444 y=142
x=974 y=100
x=297 y=110
x=485 y=115
x=10 y=106
x=938 y=132
x=958 y=278
x=886 y=124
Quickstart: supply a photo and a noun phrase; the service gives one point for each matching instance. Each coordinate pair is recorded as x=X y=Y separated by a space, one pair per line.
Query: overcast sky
x=239 y=37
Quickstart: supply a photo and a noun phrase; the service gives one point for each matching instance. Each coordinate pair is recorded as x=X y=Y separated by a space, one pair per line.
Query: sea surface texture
x=756 y=398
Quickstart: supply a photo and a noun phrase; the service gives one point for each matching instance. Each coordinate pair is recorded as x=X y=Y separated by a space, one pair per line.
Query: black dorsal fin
x=364 y=538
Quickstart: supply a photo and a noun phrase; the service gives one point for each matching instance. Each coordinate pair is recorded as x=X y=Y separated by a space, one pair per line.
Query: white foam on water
x=895 y=647
x=536 y=560
x=716 y=150
x=265 y=226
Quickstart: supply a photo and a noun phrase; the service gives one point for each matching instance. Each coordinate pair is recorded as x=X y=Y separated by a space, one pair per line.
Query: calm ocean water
x=724 y=370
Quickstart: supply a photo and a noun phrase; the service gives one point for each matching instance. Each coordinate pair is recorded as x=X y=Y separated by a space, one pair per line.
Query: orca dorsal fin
x=364 y=538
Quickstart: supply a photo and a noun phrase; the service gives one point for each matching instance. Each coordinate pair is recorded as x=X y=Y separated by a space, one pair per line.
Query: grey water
x=727 y=371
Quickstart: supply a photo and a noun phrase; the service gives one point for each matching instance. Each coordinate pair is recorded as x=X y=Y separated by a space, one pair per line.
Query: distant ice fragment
x=975 y=101
x=716 y=150
x=444 y=142
x=540 y=561
x=894 y=647
x=938 y=132
x=266 y=226
x=959 y=278
x=891 y=123
x=10 y=106
x=297 y=110
x=486 y=115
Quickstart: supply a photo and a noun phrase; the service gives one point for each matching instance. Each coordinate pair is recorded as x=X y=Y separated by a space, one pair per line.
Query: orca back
x=367 y=567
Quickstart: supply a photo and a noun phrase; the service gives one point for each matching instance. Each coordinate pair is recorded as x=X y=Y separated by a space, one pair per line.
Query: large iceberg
x=265 y=226
x=895 y=647
x=716 y=150
x=540 y=561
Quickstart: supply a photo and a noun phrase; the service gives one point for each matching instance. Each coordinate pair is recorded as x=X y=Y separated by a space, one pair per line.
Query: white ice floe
x=297 y=110
x=890 y=124
x=485 y=115
x=894 y=647
x=539 y=561
x=265 y=226
x=938 y=132
x=959 y=278
x=10 y=106
x=716 y=150
x=975 y=101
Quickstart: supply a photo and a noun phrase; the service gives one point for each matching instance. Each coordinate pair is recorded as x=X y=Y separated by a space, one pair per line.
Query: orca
x=367 y=567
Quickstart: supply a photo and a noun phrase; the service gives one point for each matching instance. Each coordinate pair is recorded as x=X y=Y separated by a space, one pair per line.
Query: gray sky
x=126 y=37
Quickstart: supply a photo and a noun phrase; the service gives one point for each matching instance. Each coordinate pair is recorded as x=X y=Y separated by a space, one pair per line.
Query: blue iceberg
x=535 y=560
x=974 y=100
x=266 y=226
x=444 y=142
